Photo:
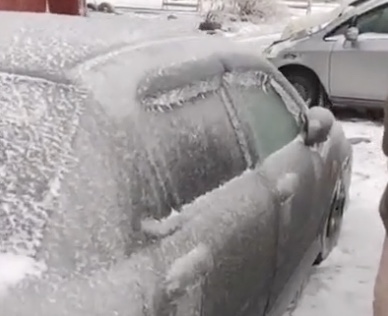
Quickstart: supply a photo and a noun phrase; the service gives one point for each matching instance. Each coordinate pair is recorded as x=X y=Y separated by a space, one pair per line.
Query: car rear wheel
x=306 y=84
x=332 y=227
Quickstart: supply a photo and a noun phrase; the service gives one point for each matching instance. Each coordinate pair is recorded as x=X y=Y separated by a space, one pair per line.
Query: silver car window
x=373 y=21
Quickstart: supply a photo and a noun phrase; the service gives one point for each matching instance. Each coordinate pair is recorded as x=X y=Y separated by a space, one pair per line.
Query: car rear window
x=38 y=119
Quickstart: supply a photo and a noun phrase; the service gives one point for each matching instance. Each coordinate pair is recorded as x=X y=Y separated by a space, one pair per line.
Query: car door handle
x=286 y=186
x=184 y=274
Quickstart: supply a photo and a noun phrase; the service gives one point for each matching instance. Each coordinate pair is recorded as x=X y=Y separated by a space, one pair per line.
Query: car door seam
x=278 y=206
x=233 y=118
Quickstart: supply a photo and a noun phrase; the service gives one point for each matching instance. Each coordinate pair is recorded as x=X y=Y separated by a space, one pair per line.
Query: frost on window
x=168 y=100
x=248 y=79
x=38 y=120
x=265 y=82
x=268 y=121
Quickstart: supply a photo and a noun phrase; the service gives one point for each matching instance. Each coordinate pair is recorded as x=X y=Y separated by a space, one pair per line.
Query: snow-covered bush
x=211 y=22
x=106 y=7
x=252 y=10
x=258 y=8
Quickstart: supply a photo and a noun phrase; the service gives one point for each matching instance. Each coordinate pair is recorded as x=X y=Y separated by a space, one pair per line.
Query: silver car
x=340 y=57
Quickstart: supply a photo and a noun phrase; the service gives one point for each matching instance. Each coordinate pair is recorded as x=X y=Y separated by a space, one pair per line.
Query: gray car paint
x=343 y=69
x=223 y=257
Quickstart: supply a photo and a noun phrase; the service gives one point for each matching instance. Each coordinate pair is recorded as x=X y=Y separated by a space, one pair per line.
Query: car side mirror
x=319 y=122
x=351 y=34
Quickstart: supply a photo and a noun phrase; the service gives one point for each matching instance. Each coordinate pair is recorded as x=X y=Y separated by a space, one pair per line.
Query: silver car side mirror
x=351 y=34
x=319 y=123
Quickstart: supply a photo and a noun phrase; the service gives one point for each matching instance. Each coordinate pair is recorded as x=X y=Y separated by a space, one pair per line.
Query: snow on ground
x=343 y=285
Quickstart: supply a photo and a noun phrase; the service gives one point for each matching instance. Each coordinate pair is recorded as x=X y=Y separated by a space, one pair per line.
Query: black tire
x=332 y=228
x=306 y=84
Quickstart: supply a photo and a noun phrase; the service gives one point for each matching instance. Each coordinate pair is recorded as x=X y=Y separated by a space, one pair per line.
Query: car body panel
x=370 y=51
x=112 y=244
x=314 y=56
x=297 y=223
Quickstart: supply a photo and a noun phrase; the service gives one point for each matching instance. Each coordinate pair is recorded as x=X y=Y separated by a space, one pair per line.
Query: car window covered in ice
x=191 y=141
x=270 y=122
x=38 y=120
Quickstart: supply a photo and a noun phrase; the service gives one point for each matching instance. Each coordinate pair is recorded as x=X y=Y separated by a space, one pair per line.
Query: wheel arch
x=337 y=207
x=298 y=68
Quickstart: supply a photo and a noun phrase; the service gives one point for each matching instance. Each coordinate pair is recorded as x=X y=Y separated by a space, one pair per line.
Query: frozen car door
x=195 y=149
x=272 y=126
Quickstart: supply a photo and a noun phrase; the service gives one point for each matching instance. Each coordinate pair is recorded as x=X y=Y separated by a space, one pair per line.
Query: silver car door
x=290 y=168
x=359 y=70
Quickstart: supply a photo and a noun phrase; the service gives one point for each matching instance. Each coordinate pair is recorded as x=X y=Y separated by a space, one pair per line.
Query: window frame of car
x=352 y=21
x=155 y=114
x=282 y=88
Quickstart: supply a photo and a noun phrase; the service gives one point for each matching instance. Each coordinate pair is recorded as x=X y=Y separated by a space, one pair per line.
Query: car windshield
x=344 y=7
x=313 y=23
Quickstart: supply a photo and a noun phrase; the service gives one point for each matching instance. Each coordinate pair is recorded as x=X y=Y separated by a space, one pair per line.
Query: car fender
x=337 y=151
x=311 y=54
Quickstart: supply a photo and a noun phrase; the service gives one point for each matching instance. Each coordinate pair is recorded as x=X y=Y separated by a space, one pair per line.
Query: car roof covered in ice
x=49 y=46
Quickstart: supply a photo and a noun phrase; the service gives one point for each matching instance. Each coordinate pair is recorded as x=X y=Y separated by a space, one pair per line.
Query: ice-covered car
x=340 y=59
x=149 y=172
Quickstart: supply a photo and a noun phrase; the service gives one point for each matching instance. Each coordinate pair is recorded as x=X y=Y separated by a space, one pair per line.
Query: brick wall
x=71 y=7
